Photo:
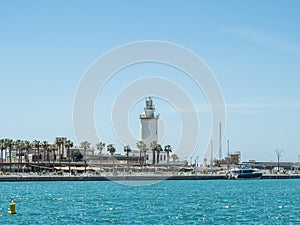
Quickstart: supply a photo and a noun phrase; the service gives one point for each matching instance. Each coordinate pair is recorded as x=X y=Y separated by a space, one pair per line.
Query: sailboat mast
x=211 y=152
x=220 y=143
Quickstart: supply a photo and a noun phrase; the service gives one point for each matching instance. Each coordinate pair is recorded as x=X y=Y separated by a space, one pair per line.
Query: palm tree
x=9 y=145
x=111 y=149
x=153 y=148
x=158 y=149
x=48 y=150
x=53 y=148
x=85 y=145
x=168 y=149
x=59 y=143
x=22 y=153
x=127 y=150
x=174 y=157
x=18 y=146
x=100 y=146
x=68 y=145
x=36 y=145
x=2 y=147
x=142 y=147
x=27 y=147
x=45 y=147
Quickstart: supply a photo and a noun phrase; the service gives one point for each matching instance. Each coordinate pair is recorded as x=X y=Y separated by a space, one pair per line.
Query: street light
x=278 y=154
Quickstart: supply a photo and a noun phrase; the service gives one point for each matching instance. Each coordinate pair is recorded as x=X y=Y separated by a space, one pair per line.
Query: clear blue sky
x=253 y=48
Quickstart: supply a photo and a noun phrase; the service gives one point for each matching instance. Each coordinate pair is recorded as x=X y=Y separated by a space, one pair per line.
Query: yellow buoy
x=12 y=207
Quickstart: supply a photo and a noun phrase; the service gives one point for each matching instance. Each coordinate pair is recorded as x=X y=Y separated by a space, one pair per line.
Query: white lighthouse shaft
x=149 y=124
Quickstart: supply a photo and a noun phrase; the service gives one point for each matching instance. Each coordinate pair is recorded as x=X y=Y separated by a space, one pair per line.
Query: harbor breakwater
x=131 y=178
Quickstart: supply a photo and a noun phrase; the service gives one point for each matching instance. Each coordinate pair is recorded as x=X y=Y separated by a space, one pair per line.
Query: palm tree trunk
x=34 y=154
x=100 y=160
x=153 y=160
x=168 y=157
x=140 y=157
x=38 y=159
x=1 y=159
x=10 y=158
x=19 y=160
x=59 y=153
x=68 y=156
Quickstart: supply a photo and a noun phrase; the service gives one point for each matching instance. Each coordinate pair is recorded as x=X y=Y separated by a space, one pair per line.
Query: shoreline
x=37 y=178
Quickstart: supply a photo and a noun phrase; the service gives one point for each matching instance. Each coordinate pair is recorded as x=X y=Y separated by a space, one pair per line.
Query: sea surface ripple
x=166 y=202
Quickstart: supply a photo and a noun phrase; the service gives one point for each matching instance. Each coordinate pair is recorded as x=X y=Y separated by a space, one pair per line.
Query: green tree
x=168 y=149
x=100 y=146
x=85 y=145
x=111 y=149
x=77 y=156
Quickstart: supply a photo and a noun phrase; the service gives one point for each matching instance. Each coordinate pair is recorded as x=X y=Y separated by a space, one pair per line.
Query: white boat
x=244 y=173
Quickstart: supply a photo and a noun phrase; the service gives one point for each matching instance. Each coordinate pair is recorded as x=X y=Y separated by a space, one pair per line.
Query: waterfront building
x=231 y=160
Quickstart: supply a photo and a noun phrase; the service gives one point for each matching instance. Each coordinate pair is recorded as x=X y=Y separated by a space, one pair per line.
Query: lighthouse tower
x=149 y=124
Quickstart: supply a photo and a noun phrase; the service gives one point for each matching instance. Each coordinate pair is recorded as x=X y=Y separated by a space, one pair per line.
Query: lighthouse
x=149 y=124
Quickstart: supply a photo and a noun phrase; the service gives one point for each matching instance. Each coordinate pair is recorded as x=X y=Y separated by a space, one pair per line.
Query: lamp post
x=278 y=154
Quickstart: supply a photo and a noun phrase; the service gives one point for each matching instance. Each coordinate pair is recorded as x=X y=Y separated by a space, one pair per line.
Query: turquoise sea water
x=166 y=202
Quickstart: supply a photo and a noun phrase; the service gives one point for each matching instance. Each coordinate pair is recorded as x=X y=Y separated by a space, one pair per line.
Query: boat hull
x=249 y=176
x=244 y=173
